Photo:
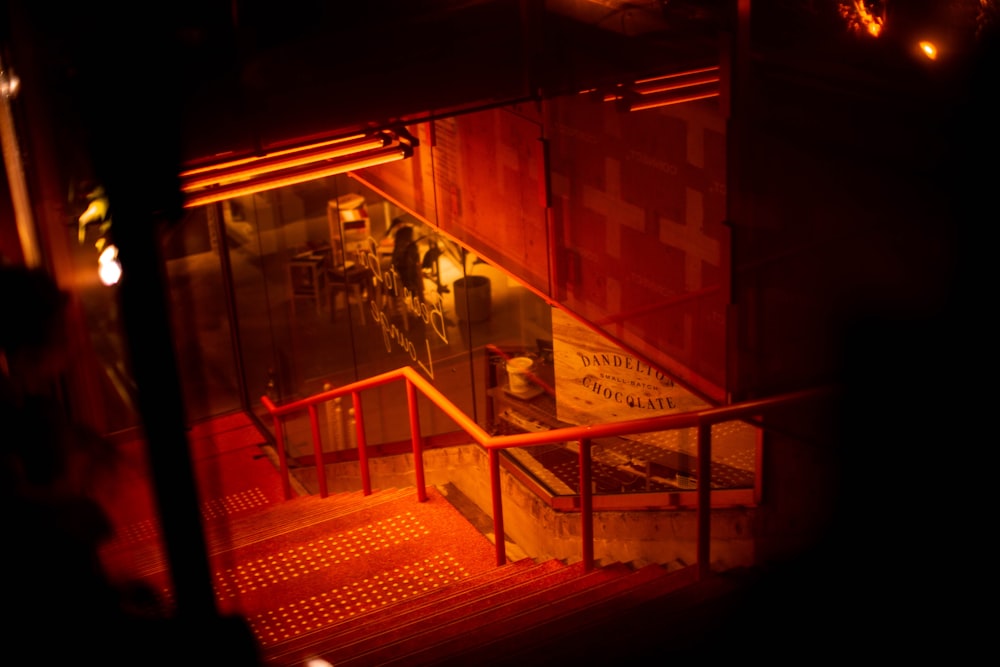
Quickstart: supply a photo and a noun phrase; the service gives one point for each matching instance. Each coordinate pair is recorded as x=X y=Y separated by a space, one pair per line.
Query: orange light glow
x=656 y=101
x=295 y=175
x=657 y=79
x=243 y=169
x=667 y=89
x=243 y=176
x=667 y=82
x=928 y=49
x=253 y=158
x=108 y=268
x=667 y=86
x=860 y=18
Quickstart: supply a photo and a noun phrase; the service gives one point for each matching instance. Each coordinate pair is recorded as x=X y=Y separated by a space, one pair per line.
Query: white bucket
x=518 y=372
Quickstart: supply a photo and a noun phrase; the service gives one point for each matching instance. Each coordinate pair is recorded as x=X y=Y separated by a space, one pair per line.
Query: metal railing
x=701 y=420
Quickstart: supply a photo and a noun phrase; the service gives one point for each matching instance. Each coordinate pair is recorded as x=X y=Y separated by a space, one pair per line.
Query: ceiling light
x=667 y=89
x=654 y=101
x=234 y=178
x=241 y=170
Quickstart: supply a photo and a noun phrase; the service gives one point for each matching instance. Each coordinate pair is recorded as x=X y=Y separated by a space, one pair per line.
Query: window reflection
x=199 y=316
x=332 y=282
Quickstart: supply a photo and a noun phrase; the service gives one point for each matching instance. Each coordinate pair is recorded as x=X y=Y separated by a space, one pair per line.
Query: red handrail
x=701 y=420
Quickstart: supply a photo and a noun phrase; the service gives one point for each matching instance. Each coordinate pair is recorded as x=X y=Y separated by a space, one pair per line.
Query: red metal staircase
x=458 y=608
x=516 y=606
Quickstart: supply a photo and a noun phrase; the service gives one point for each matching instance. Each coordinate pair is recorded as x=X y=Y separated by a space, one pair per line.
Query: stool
x=306 y=278
x=353 y=280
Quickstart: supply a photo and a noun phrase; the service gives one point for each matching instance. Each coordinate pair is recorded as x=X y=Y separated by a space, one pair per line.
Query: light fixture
x=108 y=267
x=234 y=178
x=668 y=82
x=863 y=16
x=654 y=101
x=673 y=88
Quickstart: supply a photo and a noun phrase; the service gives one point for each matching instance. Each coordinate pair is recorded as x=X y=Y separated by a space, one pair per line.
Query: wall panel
x=639 y=203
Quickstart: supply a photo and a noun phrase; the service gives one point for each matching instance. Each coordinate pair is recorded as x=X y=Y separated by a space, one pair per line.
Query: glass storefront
x=332 y=282
x=326 y=284
x=452 y=263
x=199 y=312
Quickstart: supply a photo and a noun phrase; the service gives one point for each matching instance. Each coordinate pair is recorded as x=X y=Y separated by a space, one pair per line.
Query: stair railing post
x=704 y=498
x=498 y=532
x=318 y=450
x=418 y=455
x=586 y=505
x=359 y=428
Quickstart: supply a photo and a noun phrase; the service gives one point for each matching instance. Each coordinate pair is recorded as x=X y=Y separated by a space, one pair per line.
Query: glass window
x=203 y=340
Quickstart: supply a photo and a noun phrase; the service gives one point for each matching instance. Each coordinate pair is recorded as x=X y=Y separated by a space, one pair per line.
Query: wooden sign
x=597 y=381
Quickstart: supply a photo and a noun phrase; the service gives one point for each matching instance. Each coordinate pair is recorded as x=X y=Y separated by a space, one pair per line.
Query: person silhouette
x=54 y=527
x=406 y=262
x=58 y=592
